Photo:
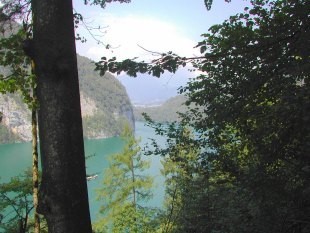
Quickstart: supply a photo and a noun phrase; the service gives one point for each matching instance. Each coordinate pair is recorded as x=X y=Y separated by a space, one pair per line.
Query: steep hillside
x=167 y=112
x=104 y=101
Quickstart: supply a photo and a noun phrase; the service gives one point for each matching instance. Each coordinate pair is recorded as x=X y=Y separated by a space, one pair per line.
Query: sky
x=155 y=25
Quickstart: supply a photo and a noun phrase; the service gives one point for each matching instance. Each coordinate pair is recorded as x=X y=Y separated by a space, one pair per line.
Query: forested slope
x=112 y=105
x=166 y=112
x=105 y=107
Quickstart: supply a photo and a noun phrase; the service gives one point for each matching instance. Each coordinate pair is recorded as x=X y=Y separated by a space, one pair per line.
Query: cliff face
x=104 y=102
x=16 y=118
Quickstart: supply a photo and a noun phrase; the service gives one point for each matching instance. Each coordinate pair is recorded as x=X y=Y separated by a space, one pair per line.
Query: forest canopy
x=248 y=134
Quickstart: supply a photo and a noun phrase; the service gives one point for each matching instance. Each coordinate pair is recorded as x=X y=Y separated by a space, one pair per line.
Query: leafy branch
x=167 y=62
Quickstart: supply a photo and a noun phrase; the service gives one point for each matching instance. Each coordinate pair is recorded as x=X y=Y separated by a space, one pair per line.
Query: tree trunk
x=63 y=192
x=133 y=177
x=35 y=169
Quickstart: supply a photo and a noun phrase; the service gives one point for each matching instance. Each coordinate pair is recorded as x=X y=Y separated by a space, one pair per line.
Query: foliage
x=17 y=54
x=255 y=94
x=251 y=122
x=246 y=164
x=16 y=75
x=102 y=3
x=125 y=191
x=186 y=184
x=55 y=59
x=168 y=61
x=16 y=205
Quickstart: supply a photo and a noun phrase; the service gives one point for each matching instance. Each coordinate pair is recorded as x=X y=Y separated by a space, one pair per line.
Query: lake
x=16 y=158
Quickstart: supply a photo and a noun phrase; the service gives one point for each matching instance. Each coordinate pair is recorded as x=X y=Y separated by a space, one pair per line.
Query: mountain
x=166 y=112
x=104 y=102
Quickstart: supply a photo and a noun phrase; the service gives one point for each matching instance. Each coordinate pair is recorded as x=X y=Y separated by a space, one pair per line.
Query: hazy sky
x=156 y=25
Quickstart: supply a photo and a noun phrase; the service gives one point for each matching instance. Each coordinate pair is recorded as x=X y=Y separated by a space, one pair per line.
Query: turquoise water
x=96 y=164
x=16 y=158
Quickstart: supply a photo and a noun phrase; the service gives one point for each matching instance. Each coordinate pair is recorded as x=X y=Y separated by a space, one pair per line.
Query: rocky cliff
x=104 y=102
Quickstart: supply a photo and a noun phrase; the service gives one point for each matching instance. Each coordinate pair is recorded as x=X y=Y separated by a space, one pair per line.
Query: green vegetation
x=16 y=205
x=185 y=187
x=247 y=165
x=253 y=135
x=109 y=97
x=47 y=43
x=106 y=90
x=125 y=191
x=94 y=126
x=238 y=160
x=111 y=100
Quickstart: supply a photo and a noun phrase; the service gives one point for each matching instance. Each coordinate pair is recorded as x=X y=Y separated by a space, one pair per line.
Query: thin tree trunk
x=133 y=182
x=35 y=169
x=134 y=191
x=63 y=198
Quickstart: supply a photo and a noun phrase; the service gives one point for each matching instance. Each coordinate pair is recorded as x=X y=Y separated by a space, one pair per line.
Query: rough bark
x=35 y=171
x=63 y=192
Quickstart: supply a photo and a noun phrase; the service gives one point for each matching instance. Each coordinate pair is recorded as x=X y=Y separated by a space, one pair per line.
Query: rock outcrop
x=104 y=102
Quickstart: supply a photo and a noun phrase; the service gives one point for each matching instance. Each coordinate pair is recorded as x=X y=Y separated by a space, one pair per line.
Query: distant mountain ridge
x=165 y=112
x=104 y=102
